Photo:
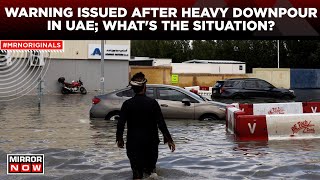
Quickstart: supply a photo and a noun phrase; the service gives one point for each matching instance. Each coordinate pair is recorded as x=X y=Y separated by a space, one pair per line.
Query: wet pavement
x=78 y=148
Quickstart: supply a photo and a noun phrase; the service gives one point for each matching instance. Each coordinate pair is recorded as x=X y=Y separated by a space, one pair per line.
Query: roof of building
x=149 y=59
x=214 y=61
x=140 y=59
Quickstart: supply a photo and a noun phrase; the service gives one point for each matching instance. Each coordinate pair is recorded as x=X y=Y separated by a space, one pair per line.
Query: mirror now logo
x=25 y=164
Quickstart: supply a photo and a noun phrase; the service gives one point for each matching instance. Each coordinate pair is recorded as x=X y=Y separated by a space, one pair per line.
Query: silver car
x=175 y=103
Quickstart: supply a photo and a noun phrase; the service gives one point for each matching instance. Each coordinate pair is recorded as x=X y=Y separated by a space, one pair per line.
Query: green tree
x=256 y=53
x=203 y=49
x=302 y=53
x=177 y=50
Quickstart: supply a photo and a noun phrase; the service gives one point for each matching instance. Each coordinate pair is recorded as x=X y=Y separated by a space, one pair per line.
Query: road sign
x=174 y=78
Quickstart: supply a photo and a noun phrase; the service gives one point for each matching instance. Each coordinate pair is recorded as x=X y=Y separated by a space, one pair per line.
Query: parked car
x=216 y=89
x=250 y=87
x=175 y=103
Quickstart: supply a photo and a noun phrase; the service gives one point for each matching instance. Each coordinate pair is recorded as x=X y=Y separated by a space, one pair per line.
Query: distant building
x=147 y=61
x=162 y=62
x=140 y=61
x=82 y=59
x=210 y=67
x=213 y=61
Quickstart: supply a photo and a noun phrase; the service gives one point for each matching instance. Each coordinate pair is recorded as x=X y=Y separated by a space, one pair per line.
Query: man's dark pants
x=143 y=158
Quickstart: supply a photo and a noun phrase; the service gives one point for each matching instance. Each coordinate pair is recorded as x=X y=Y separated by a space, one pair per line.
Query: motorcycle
x=73 y=87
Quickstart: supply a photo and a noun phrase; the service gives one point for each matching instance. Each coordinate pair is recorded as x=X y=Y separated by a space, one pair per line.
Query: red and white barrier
x=311 y=107
x=277 y=108
x=192 y=88
x=201 y=90
x=251 y=128
x=205 y=93
x=250 y=122
x=230 y=123
x=290 y=126
x=273 y=108
x=204 y=88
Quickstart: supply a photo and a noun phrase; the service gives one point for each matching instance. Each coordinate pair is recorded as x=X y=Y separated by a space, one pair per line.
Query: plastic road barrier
x=311 y=107
x=274 y=121
x=201 y=90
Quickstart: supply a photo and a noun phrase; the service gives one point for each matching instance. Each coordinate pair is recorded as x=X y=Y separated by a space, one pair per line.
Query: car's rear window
x=219 y=83
x=126 y=93
x=150 y=92
x=264 y=84
x=130 y=93
x=251 y=84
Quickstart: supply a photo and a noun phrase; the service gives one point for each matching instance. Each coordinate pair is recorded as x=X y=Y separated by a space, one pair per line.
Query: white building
x=147 y=61
x=161 y=62
x=82 y=59
x=209 y=67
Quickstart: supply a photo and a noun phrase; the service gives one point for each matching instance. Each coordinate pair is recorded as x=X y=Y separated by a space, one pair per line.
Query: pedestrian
x=143 y=117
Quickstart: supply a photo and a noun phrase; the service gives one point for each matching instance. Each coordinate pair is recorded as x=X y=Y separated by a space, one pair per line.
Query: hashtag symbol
x=4 y=45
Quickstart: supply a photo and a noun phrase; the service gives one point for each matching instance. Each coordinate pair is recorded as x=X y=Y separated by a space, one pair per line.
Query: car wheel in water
x=113 y=116
x=208 y=117
x=83 y=90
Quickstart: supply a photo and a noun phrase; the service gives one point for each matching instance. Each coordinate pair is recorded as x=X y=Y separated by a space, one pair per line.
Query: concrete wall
x=305 y=78
x=162 y=75
x=116 y=74
x=154 y=74
x=204 y=79
x=277 y=77
x=22 y=79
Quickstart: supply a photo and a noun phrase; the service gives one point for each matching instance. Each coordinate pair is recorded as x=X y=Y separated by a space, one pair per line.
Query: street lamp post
x=278 y=54
x=102 y=68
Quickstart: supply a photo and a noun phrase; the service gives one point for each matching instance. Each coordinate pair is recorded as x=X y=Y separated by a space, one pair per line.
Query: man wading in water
x=144 y=117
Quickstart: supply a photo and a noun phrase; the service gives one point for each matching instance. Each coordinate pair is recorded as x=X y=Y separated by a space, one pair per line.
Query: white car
x=175 y=103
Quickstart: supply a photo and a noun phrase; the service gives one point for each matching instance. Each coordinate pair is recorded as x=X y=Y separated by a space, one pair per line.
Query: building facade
x=81 y=59
x=209 y=67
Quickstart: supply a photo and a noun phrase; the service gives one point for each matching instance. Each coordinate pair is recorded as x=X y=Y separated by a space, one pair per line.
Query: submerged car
x=240 y=88
x=175 y=103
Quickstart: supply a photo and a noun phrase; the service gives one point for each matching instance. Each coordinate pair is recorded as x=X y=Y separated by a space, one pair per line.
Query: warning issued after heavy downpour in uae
x=194 y=12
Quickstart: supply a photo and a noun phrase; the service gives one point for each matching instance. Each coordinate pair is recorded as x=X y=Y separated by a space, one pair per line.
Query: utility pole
x=102 y=68
x=40 y=81
x=278 y=54
x=39 y=88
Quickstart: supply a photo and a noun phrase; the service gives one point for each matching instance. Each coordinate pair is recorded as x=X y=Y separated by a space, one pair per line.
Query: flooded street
x=76 y=147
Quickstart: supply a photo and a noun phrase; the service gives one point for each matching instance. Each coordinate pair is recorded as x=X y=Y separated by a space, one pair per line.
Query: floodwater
x=78 y=148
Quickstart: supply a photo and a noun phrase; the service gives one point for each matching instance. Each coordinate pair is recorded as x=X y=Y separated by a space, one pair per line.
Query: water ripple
x=78 y=148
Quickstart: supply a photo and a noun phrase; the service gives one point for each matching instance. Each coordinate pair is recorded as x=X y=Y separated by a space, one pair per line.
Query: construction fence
x=281 y=78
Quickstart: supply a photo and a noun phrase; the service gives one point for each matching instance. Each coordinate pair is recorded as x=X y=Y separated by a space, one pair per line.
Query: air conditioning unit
x=36 y=58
